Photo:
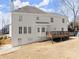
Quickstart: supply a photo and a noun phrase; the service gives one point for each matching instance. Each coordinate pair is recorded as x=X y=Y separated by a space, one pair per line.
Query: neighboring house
x=5 y=30
x=77 y=20
x=0 y=32
x=74 y=25
x=77 y=23
x=30 y=24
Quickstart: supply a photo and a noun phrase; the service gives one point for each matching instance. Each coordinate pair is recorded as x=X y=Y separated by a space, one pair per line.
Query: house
x=74 y=24
x=30 y=24
x=5 y=30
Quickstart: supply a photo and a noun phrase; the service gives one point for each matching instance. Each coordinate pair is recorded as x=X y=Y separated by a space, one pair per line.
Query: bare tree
x=73 y=8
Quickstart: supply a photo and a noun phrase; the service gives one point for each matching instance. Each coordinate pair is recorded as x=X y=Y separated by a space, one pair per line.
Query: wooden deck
x=59 y=37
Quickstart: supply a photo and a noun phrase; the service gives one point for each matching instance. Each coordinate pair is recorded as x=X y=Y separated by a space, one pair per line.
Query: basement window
x=19 y=41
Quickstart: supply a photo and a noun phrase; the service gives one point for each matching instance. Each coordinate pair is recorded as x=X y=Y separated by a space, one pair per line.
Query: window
x=29 y=29
x=51 y=19
x=43 y=29
x=37 y=18
x=63 y=20
x=62 y=29
x=54 y=28
x=38 y=29
x=20 y=18
x=20 y=30
x=25 y=30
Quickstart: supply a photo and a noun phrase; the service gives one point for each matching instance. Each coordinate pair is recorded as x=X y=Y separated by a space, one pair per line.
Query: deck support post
x=61 y=39
x=52 y=41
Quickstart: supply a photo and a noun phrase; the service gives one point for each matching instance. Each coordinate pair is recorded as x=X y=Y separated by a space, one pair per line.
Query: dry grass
x=47 y=50
x=5 y=41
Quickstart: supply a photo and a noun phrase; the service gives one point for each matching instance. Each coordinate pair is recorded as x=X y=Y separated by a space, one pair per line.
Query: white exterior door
x=19 y=41
x=41 y=30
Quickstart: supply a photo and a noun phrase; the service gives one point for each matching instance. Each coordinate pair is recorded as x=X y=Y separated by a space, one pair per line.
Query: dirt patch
x=46 y=50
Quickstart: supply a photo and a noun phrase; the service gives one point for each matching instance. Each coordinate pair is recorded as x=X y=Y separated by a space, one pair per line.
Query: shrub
x=5 y=37
x=1 y=38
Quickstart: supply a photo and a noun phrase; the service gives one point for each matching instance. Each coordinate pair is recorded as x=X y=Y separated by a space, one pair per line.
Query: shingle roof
x=29 y=9
x=34 y=10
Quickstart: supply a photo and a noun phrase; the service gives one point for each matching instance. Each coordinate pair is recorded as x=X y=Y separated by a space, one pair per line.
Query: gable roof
x=34 y=10
x=29 y=9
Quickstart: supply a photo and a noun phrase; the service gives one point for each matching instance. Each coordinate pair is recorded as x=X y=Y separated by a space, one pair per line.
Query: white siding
x=29 y=20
